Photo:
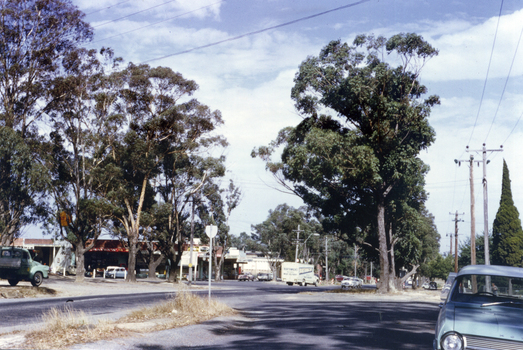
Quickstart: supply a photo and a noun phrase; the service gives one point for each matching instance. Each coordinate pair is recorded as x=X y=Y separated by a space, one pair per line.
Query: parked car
x=483 y=310
x=340 y=278
x=16 y=264
x=246 y=277
x=115 y=272
x=263 y=277
x=430 y=285
x=351 y=282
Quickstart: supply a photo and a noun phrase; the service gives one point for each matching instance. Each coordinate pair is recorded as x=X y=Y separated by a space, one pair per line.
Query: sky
x=244 y=55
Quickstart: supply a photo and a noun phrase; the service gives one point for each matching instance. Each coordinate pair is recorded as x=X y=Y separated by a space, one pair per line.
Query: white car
x=115 y=272
x=351 y=282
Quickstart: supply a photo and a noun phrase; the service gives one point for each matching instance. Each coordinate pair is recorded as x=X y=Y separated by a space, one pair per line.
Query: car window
x=481 y=288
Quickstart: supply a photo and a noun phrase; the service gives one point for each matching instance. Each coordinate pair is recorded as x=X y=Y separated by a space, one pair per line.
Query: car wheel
x=13 y=282
x=37 y=279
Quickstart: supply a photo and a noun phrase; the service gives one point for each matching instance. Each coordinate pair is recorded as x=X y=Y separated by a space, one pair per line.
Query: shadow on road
x=348 y=325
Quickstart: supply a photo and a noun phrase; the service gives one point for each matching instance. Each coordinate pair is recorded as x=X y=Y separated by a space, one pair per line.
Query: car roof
x=493 y=270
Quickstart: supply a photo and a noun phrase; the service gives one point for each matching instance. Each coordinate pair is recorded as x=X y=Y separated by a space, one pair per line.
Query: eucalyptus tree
x=23 y=186
x=185 y=187
x=221 y=204
x=164 y=126
x=279 y=232
x=35 y=36
x=364 y=124
x=83 y=113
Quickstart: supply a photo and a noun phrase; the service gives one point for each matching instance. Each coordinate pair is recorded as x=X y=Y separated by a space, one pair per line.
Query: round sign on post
x=211 y=230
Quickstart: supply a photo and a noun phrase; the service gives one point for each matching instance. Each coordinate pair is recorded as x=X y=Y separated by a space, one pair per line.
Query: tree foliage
x=35 y=38
x=507 y=234
x=360 y=166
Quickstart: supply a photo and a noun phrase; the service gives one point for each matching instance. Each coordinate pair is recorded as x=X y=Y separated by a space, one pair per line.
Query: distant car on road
x=263 y=277
x=340 y=278
x=430 y=285
x=246 y=277
x=115 y=272
x=351 y=282
x=483 y=310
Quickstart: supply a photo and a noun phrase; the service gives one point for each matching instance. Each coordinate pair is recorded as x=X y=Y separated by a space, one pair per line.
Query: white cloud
x=464 y=54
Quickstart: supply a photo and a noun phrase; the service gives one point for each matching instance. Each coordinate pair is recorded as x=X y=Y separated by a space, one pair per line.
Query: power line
x=488 y=70
x=258 y=31
x=511 y=131
x=155 y=23
x=506 y=82
x=107 y=8
x=135 y=13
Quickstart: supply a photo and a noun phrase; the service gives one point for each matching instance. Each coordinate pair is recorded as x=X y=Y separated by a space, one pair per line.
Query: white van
x=301 y=274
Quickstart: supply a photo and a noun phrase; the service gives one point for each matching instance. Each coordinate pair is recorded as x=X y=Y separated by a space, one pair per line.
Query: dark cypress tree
x=507 y=240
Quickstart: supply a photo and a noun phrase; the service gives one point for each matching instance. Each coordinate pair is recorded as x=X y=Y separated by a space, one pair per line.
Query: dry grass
x=67 y=327
x=25 y=292
x=184 y=309
x=353 y=291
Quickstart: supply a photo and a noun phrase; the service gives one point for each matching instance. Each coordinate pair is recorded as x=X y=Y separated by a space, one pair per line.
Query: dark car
x=16 y=264
x=246 y=277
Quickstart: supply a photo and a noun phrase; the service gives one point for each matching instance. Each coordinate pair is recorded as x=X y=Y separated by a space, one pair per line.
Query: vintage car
x=351 y=282
x=483 y=310
x=263 y=277
x=115 y=272
x=16 y=264
x=246 y=277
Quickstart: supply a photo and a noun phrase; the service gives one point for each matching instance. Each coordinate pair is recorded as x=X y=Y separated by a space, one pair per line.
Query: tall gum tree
x=81 y=111
x=164 y=124
x=35 y=36
x=348 y=164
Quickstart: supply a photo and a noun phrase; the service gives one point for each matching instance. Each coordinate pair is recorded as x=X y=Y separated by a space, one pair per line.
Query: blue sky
x=249 y=80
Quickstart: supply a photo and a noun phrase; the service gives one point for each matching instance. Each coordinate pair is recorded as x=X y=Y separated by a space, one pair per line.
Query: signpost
x=210 y=231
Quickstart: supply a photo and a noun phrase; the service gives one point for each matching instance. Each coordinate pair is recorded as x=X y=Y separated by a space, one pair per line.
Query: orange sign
x=65 y=219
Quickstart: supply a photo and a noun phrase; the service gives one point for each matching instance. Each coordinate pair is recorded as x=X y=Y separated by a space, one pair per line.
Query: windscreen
x=476 y=288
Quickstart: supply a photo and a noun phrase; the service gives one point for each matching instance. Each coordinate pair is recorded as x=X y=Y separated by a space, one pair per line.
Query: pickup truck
x=17 y=265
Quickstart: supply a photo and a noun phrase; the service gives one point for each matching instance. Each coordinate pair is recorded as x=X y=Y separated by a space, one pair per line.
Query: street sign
x=211 y=230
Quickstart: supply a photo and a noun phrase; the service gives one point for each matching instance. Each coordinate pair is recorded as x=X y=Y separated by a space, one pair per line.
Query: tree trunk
x=392 y=262
x=131 y=260
x=153 y=264
x=385 y=281
x=80 y=262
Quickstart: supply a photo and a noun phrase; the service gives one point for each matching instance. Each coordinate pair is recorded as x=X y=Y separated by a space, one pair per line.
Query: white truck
x=301 y=274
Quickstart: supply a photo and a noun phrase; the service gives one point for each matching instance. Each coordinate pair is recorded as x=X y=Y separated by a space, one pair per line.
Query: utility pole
x=355 y=259
x=456 y=220
x=472 y=210
x=297 y=242
x=326 y=260
x=485 y=198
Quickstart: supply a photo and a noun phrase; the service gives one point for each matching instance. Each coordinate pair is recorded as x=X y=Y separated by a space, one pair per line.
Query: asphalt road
x=272 y=316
